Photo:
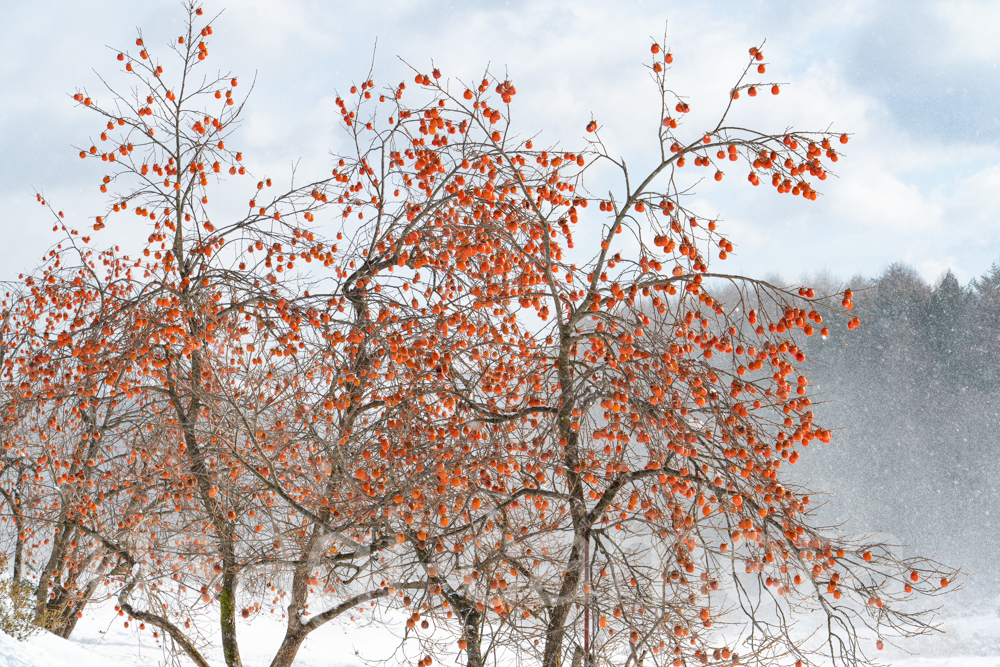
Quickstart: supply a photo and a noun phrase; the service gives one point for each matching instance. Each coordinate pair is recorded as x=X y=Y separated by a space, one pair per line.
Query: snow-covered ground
x=101 y=641
x=967 y=641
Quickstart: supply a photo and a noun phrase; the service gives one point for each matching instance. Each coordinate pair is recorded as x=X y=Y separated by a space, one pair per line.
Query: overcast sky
x=916 y=83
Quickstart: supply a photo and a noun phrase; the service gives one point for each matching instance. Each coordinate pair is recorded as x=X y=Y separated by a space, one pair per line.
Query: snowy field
x=970 y=641
x=100 y=641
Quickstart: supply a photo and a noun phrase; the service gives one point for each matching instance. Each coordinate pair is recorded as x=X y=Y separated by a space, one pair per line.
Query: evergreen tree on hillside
x=983 y=324
x=892 y=336
x=922 y=412
x=946 y=337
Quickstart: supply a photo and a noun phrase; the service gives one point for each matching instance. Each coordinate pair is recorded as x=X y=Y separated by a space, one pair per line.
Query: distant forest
x=914 y=394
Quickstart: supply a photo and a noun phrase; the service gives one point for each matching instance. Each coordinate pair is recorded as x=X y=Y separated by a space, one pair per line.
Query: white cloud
x=971 y=28
x=910 y=187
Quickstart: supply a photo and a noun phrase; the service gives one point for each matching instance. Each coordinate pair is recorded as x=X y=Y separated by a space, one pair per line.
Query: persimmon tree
x=144 y=349
x=172 y=345
x=403 y=387
x=639 y=403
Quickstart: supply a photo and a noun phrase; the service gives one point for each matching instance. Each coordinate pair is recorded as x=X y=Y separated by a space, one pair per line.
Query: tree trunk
x=473 y=641
x=227 y=621
x=289 y=648
x=18 y=558
x=61 y=619
x=556 y=629
x=19 y=541
x=188 y=419
x=296 y=631
x=61 y=611
x=52 y=567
